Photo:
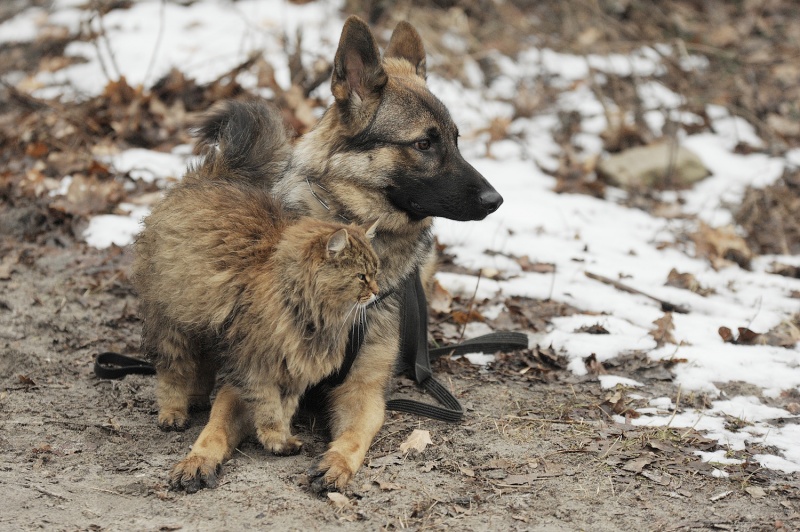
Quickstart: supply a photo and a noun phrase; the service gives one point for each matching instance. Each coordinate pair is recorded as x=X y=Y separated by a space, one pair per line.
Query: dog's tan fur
x=387 y=148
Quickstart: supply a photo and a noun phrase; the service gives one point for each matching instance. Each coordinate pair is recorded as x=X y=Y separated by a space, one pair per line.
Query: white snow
x=610 y=381
x=576 y=233
x=149 y=165
x=108 y=229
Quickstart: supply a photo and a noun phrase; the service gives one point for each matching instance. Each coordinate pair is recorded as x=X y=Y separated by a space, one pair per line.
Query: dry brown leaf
x=745 y=336
x=636 y=465
x=727 y=335
x=387 y=486
x=721 y=246
x=534 y=267
x=418 y=440
x=577 y=177
x=440 y=299
x=89 y=195
x=756 y=492
x=592 y=329
x=785 y=270
x=768 y=215
x=618 y=404
x=785 y=334
x=461 y=317
x=658 y=477
x=661 y=446
x=338 y=500
x=663 y=331
x=27 y=381
x=467 y=472
x=687 y=281
x=593 y=366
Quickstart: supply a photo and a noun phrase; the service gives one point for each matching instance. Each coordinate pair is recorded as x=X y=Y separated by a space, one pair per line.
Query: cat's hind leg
x=183 y=376
x=228 y=424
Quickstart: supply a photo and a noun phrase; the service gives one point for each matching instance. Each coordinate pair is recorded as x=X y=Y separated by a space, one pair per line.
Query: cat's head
x=337 y=261
x=351 y=265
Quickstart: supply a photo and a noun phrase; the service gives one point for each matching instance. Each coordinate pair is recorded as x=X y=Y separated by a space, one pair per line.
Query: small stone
x=661 y=165
x=756 y=492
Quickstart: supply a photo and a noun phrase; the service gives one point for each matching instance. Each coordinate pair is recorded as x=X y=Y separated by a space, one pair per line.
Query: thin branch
x=469 y=310
x=161 y=17
x=104 y=35
x=666 y=306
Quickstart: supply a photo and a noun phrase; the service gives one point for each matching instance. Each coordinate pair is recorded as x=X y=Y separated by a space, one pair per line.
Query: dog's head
x=399 y=130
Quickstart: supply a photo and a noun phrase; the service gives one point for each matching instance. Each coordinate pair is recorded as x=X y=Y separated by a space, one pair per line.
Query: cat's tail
x=242 y=140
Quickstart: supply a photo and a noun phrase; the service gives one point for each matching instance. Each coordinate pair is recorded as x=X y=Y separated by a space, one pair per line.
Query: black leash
x=415 y=358
x=115 y=366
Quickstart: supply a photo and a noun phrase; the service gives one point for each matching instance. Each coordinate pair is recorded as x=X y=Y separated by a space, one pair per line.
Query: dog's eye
x=423 y=145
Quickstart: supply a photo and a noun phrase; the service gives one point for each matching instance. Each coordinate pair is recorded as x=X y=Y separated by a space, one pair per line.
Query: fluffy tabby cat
x=227 y=281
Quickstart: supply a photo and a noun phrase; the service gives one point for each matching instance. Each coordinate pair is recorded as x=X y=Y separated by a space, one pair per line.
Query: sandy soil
x=537 y=450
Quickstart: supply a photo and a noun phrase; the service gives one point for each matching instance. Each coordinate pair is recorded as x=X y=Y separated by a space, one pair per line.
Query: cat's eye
x=362 y=277
x=423 y=145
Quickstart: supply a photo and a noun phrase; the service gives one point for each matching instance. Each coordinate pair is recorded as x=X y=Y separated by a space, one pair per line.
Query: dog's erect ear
x=337 y=242
x=357 y=69
x=407 y=44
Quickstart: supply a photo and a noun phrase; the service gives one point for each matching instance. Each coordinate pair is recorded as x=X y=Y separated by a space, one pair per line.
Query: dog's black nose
x=490 y=201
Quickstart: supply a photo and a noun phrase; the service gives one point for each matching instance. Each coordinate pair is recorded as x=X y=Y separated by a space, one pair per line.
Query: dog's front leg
x=357 y=409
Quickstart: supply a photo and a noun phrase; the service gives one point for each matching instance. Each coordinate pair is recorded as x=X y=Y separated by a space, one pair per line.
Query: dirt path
x=537 y=450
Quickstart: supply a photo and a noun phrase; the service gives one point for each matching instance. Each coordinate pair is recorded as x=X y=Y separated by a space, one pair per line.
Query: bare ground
x=537 y=450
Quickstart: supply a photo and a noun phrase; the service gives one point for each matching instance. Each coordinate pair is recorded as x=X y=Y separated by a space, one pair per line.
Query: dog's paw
x=279 y=443
x=331 y=472
x=173 y=420
x=194 y=473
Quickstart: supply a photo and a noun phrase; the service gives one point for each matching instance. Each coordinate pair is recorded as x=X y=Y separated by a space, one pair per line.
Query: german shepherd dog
x=386 y=149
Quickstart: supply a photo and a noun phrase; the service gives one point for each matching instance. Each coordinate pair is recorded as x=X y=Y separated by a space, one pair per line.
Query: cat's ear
x=373 y=229
x=337 y=242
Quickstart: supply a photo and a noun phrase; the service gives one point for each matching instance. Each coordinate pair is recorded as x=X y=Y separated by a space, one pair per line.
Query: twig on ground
x=109 y=491
x=544 y=420
x=50 y=493
x=675 y=412
x=469 y=309
x=666 y=306
x=244 y=453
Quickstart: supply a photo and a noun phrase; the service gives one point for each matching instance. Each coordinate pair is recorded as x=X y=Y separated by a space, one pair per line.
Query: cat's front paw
x=169 y=420
x=194 y=473
x=330 y=472
x=279 y=443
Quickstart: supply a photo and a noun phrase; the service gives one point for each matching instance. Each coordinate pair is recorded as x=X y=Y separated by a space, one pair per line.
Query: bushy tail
x=242 y=140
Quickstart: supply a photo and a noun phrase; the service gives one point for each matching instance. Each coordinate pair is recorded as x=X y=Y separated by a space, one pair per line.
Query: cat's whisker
x=361 y=322
x=344 y=322
x=357 y=325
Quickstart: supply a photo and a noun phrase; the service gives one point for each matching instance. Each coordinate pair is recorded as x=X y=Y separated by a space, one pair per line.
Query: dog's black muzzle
x=490 y=200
